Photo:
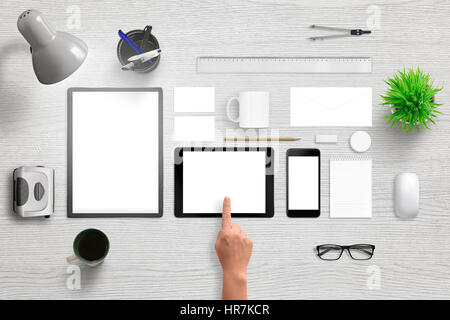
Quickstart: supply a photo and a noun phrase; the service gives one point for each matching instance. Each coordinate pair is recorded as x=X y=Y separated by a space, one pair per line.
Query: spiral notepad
x=351 y=188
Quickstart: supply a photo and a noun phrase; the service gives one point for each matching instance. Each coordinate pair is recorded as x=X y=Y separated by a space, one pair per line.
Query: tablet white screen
x=303 y=183
x=115 y=143
x=210 y=176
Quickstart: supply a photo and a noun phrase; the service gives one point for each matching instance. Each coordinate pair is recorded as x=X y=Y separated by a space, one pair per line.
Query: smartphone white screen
x=303 y=183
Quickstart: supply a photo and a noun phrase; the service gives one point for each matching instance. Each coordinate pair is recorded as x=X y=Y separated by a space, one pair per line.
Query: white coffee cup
x=253 y=109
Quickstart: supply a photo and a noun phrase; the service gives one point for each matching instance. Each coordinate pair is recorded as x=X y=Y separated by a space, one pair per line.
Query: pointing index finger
x=226 y=213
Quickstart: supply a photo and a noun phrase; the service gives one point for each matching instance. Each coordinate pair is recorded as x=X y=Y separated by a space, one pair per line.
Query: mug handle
x=71 y=258
x=229 y=109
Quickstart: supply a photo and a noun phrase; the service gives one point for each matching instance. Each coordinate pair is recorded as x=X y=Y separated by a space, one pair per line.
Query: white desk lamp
x=56 y=55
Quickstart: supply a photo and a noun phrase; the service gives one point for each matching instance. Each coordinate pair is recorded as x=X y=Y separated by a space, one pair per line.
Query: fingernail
x=227 y=199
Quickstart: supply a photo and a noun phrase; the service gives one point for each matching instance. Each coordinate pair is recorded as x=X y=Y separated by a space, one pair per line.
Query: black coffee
x=92 y=246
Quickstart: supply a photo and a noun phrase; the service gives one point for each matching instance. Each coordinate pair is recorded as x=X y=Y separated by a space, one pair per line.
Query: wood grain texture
x=169 y=258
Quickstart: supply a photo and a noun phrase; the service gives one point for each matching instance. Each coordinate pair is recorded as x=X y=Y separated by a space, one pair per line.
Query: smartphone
x=303 y=183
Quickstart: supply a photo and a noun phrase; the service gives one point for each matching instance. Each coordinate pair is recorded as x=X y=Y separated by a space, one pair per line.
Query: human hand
x=234 y=250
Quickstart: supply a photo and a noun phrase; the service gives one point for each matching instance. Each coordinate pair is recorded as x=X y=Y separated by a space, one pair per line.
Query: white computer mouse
x=406 y=195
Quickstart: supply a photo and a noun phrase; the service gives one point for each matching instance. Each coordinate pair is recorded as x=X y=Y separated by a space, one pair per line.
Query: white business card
x=194 y=128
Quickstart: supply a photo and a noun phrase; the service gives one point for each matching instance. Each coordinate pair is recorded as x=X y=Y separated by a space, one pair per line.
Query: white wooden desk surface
x=169 y=258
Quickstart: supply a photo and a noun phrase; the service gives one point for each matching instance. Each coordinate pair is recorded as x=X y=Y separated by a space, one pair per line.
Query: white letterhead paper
x=115 y=152
x=194 y=99
x=331 y=106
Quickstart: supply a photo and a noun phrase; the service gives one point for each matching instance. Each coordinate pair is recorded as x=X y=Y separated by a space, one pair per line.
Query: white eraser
x=326 y=138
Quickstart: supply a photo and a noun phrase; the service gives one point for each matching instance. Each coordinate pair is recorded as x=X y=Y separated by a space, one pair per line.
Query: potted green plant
x=410 y=97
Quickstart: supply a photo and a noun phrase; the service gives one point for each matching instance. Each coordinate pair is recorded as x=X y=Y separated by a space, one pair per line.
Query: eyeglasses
x=331 y=252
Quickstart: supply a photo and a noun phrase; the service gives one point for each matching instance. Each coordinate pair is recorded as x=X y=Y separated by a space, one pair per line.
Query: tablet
x=115 y=153
x=204 y=176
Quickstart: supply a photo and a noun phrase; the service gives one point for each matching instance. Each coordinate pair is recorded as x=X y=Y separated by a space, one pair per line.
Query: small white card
x=194 y=128
x=194 y=99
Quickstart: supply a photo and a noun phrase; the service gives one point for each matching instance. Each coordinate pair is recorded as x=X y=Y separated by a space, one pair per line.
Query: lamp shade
x=56 y=55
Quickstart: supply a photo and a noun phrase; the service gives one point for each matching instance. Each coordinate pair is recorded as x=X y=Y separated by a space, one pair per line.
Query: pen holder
x=146 y=41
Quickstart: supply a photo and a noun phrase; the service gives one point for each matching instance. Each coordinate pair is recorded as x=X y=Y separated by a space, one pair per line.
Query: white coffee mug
x=253 y=109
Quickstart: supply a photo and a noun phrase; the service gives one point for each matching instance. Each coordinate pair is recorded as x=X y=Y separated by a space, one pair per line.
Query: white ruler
x=284 y=65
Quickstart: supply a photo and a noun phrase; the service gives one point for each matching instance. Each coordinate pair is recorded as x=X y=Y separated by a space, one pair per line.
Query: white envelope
x=331 y=106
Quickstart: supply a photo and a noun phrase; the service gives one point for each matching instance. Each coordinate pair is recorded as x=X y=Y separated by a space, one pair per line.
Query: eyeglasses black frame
x=343 y=248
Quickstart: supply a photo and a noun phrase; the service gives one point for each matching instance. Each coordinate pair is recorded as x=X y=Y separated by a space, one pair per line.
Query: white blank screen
x=210 y=176
x=303 y=183
x=115 y=152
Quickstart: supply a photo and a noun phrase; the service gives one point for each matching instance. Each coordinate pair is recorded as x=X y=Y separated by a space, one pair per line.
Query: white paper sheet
x=194 y=99
x=196 y=128
x=210 y=176
x=331 y=106
x=115 y=152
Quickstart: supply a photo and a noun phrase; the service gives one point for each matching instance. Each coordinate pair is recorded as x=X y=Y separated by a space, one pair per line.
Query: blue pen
x=131 y=43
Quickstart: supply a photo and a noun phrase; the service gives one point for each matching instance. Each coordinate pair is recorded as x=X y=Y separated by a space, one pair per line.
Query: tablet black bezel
x=301 y=153
x=178 y=182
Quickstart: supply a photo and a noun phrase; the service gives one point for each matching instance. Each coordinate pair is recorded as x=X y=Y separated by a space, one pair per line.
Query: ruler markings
x=284 y=65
